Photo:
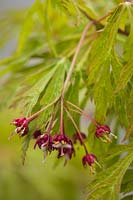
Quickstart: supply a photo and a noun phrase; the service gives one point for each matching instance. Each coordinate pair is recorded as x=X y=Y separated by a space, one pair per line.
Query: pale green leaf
x=109 y=180
x=73 y=96
x=88 y=11
x=24 y=148
x=102 y=47
x=117 y=150
x=27 y=28
x=103 y=94
x=128 y=49
x=29 y=98
x=68 y=6
x=125 y=76
x=54 y=88
x=129 y=132
x=117 y=65
x=48 y=29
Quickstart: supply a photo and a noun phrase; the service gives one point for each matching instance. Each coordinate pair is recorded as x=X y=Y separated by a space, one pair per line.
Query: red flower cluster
x=61 y=142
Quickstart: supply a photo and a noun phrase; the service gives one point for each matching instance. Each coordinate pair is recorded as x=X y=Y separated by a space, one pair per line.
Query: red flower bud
x=44 y=141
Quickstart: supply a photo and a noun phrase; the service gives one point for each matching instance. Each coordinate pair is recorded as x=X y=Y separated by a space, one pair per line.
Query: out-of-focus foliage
x=47 y=35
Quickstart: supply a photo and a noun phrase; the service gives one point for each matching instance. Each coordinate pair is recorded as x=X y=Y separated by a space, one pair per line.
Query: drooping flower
x=103 y=132
x=76 y=138
x=44 y=142
x=19 y=121
x=63 y=145
x=21 y=126
x=88 y=159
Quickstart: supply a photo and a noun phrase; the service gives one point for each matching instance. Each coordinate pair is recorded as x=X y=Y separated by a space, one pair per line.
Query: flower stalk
x=79 y=110
x=76 y=128
x=51 y=123
x=35 y=115
x=61 y=118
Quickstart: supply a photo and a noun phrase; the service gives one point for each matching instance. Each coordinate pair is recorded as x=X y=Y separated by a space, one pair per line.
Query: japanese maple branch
x=77 y=51
x=123 y=32
x=75 y=56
